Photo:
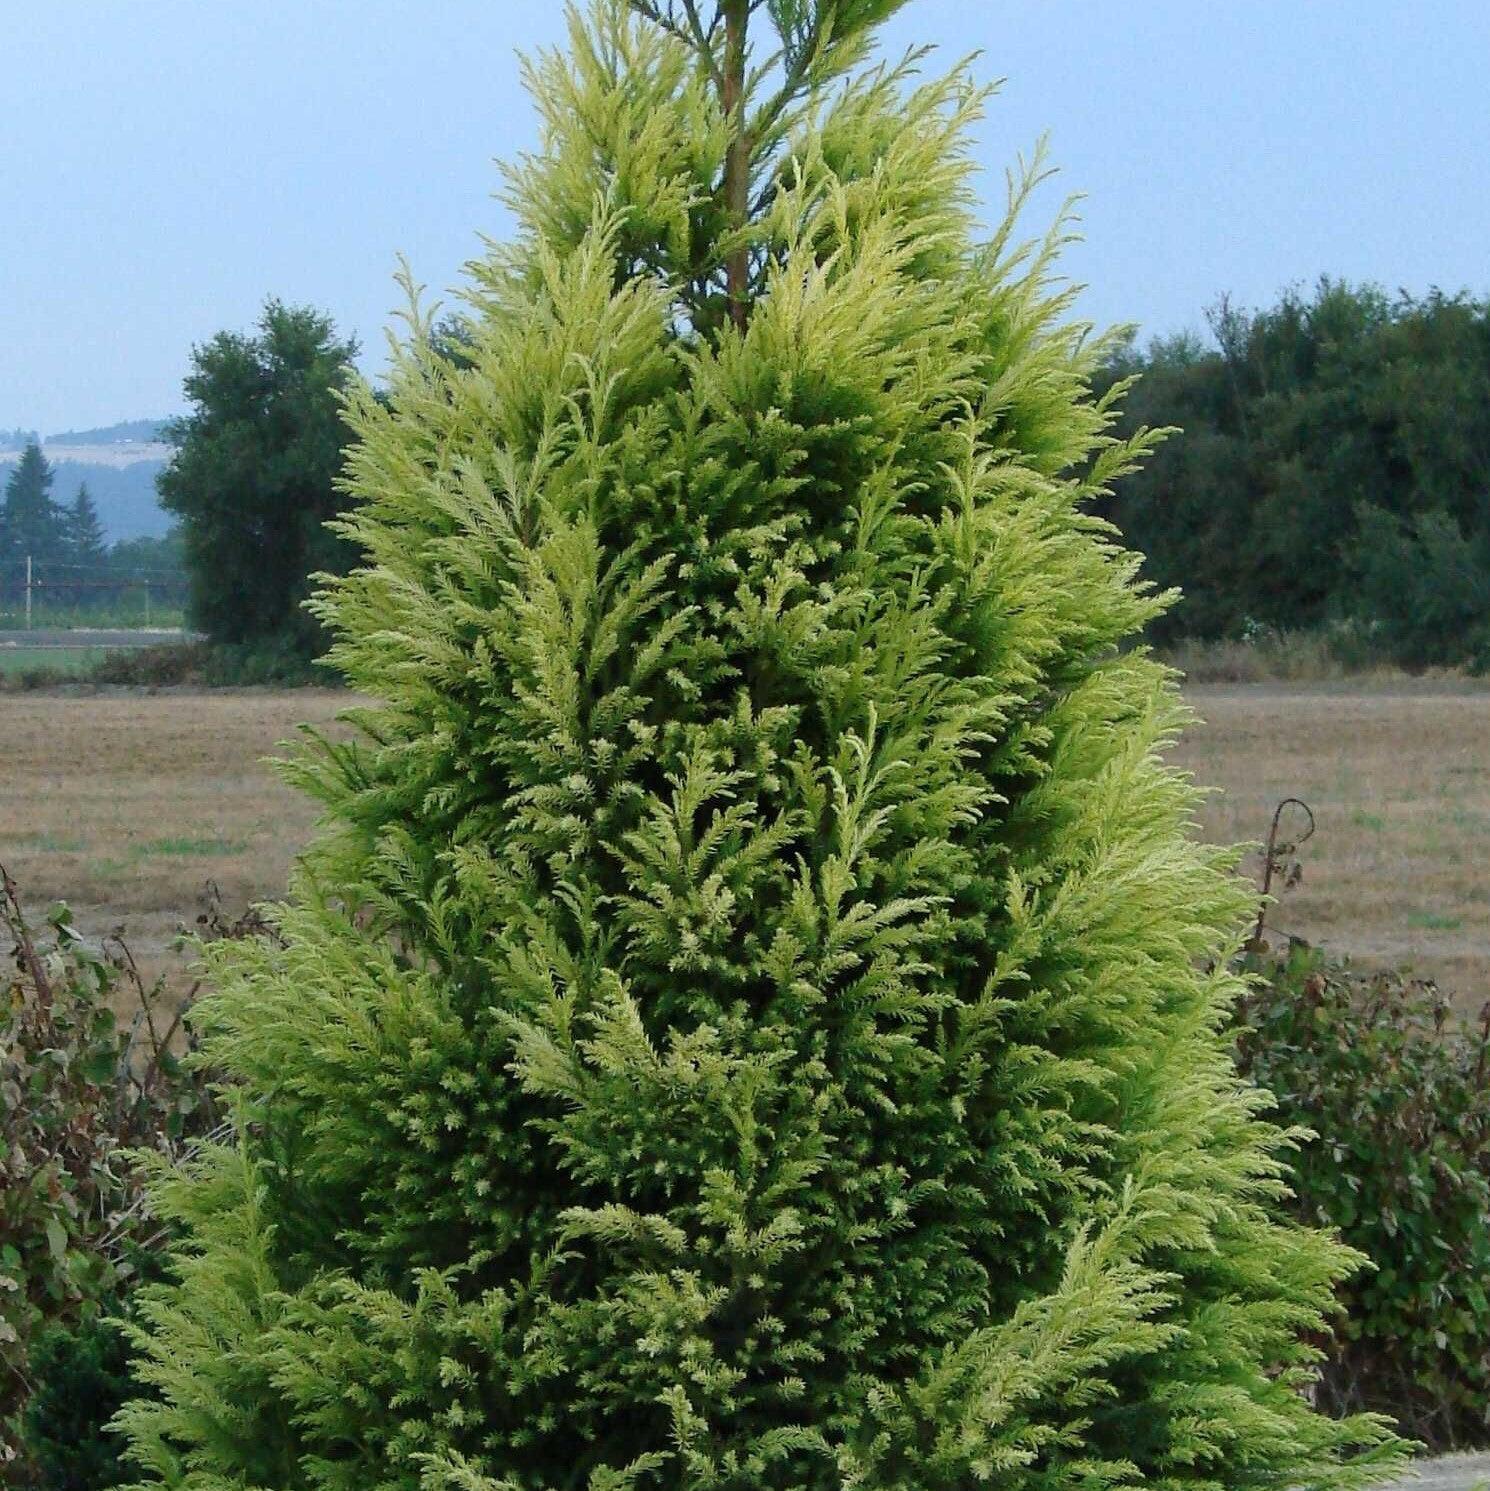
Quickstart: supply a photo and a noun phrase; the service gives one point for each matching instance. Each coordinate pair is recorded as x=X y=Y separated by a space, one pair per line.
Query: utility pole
x=28 y=592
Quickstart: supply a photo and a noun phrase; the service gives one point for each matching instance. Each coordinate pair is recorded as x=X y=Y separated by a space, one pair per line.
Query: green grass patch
x=187 y=848
x=62 y=662
x=108 y=618
x=50 y=843
x=1434 y=921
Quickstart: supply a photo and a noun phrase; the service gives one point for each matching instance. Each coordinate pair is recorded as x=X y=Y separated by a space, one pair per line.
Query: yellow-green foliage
x=743 y=1024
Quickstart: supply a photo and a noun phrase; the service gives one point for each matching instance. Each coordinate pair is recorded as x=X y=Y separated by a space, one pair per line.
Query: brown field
x=1398 y=776
x=125 y=805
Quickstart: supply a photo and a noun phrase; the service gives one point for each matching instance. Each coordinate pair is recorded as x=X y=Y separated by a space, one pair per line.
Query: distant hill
x=118 y=462
x=128 y=432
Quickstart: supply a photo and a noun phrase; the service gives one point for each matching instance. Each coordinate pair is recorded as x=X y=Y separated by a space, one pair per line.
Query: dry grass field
x=126 y=804
x=1398 y=777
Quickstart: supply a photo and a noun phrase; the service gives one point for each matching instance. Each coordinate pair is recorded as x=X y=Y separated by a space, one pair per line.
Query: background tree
x=1423 y=587
x=30 y=522
x=83 y=533
x=1312 y=432
x=753 y=1020
x=253 y=479
x=157 y=556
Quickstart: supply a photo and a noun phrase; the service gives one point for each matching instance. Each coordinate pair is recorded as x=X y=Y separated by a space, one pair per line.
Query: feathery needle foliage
x=745 y=1022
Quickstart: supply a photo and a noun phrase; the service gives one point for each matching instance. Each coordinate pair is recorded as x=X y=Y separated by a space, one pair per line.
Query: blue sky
x=166 y=164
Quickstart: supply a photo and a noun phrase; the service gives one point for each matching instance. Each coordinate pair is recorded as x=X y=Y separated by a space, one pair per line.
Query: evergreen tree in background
x=31 y=524
x=84 y=539
x=752 y=1019
x=253 y=477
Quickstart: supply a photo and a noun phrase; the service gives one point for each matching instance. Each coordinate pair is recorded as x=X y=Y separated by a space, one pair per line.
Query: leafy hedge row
x=1331 y=469
x=179 y=665
x=80 y=1088
x=1391 y=1086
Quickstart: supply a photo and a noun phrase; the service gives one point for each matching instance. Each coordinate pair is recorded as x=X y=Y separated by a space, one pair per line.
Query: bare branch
x=15 y=923
x=693 y=33
x=703 y=39
x=658 y=17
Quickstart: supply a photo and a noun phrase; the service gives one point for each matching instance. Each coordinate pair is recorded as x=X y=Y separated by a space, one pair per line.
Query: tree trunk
x=737 y=161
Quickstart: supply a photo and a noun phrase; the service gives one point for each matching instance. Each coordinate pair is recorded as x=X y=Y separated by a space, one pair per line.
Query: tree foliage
x=1389 y=1085
x=79 y=1089
x=31 y=524
x=1422 y=586
x=83 y=533
x=253 y=477
x=745 y=1023
x=64 y=545
x=1335 y=464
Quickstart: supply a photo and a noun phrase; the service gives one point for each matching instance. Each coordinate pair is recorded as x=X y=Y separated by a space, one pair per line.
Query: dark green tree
x=1304 y=424
x=31 y=524
x=1423 y=587
x=83 y=537
x=81 y=1377
x=754 y=1018
x=253 y=479
x=163 y=557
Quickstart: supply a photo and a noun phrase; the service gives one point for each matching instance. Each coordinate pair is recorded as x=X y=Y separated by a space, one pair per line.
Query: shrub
x=183 y=665
x=77 y=1090
x=744 y=1025
x=81 y=1376
x=170 y=665
x=278 y=664
x=1392 y=1087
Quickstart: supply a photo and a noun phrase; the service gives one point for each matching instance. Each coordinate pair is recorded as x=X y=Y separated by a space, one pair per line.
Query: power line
x=64 y=584
x=43 y=568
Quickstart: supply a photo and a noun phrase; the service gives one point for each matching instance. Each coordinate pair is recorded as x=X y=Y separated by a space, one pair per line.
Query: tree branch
x=654 y=13
x=798 y=68
x=693 y=34
x=704 y=41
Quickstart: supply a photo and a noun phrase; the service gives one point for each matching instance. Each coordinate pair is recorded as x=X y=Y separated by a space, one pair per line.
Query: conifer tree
x=752 y=1016
x=84 y=533
x=31 y=524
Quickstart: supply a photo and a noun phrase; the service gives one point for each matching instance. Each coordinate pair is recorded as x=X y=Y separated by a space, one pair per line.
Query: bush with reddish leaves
x=80 y=1089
